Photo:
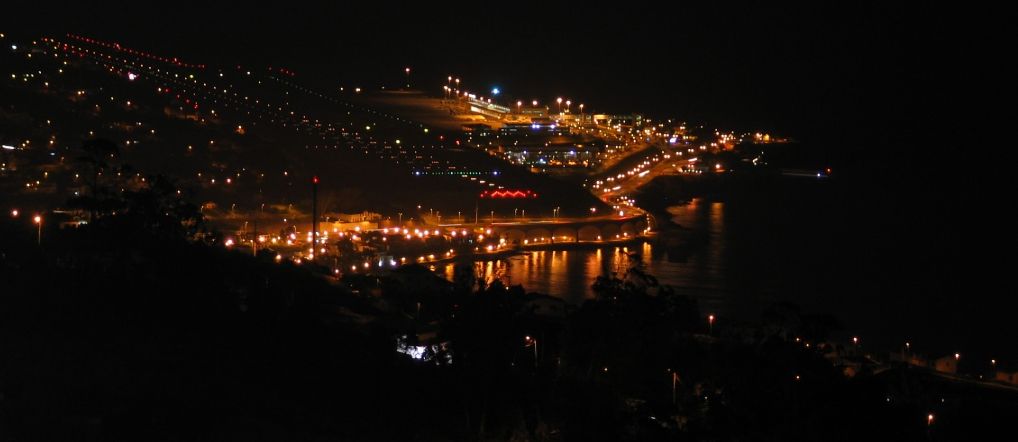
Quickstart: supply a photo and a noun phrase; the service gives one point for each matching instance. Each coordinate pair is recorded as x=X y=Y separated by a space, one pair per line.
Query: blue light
x=495 y=91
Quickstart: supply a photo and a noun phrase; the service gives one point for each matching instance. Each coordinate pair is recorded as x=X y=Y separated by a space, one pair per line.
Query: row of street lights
x=449 y=88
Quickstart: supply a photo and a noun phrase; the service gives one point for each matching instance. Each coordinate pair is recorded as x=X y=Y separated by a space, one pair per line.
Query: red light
x=314 y=180
x=508 y=194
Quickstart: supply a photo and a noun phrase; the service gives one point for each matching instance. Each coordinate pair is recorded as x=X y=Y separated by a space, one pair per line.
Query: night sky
x=809 y=71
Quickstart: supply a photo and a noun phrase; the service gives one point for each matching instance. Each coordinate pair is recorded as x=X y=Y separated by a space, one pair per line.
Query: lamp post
x=675 y=384
x=710 y=324
x=532 y=342
x=559 y=101
x=38 y=222
x=407 y=70
x=314 y=215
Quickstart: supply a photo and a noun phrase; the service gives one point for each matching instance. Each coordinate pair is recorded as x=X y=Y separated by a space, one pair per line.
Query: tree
x=96 y=153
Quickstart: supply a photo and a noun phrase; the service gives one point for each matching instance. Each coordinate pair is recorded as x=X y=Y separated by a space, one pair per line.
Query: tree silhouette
x=96 y=156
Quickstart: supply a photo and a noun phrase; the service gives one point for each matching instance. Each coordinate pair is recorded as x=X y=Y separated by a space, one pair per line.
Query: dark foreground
x=132 y=330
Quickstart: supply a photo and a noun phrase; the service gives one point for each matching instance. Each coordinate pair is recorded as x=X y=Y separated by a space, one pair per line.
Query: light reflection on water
x=570 y=273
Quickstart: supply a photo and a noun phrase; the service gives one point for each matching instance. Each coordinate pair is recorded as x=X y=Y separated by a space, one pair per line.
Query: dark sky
x=813 y=71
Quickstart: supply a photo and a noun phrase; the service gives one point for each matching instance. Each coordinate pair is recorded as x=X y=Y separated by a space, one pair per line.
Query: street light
x=519 y=105
x=559 y=101
x=533 y=342
x=675 y=383
x=407 y=70
x=710 y=324
x=534 y=103
x=38 y=221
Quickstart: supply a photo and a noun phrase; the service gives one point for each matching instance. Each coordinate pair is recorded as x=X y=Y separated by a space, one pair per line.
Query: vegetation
x=137 y=327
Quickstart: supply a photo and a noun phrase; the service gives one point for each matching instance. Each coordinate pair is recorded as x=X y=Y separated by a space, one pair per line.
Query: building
x=1010 y=377
x=478 y=129
x=487 y=108
x=946 y=364
x=631 y=120
x=345 y=222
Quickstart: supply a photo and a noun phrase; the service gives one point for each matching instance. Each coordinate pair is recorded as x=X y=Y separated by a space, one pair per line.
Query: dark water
x=569 y=273
x=890 y=269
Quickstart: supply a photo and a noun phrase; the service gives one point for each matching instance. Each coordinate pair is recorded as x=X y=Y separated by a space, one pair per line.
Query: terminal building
x=616 y=121
x=487 y=108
